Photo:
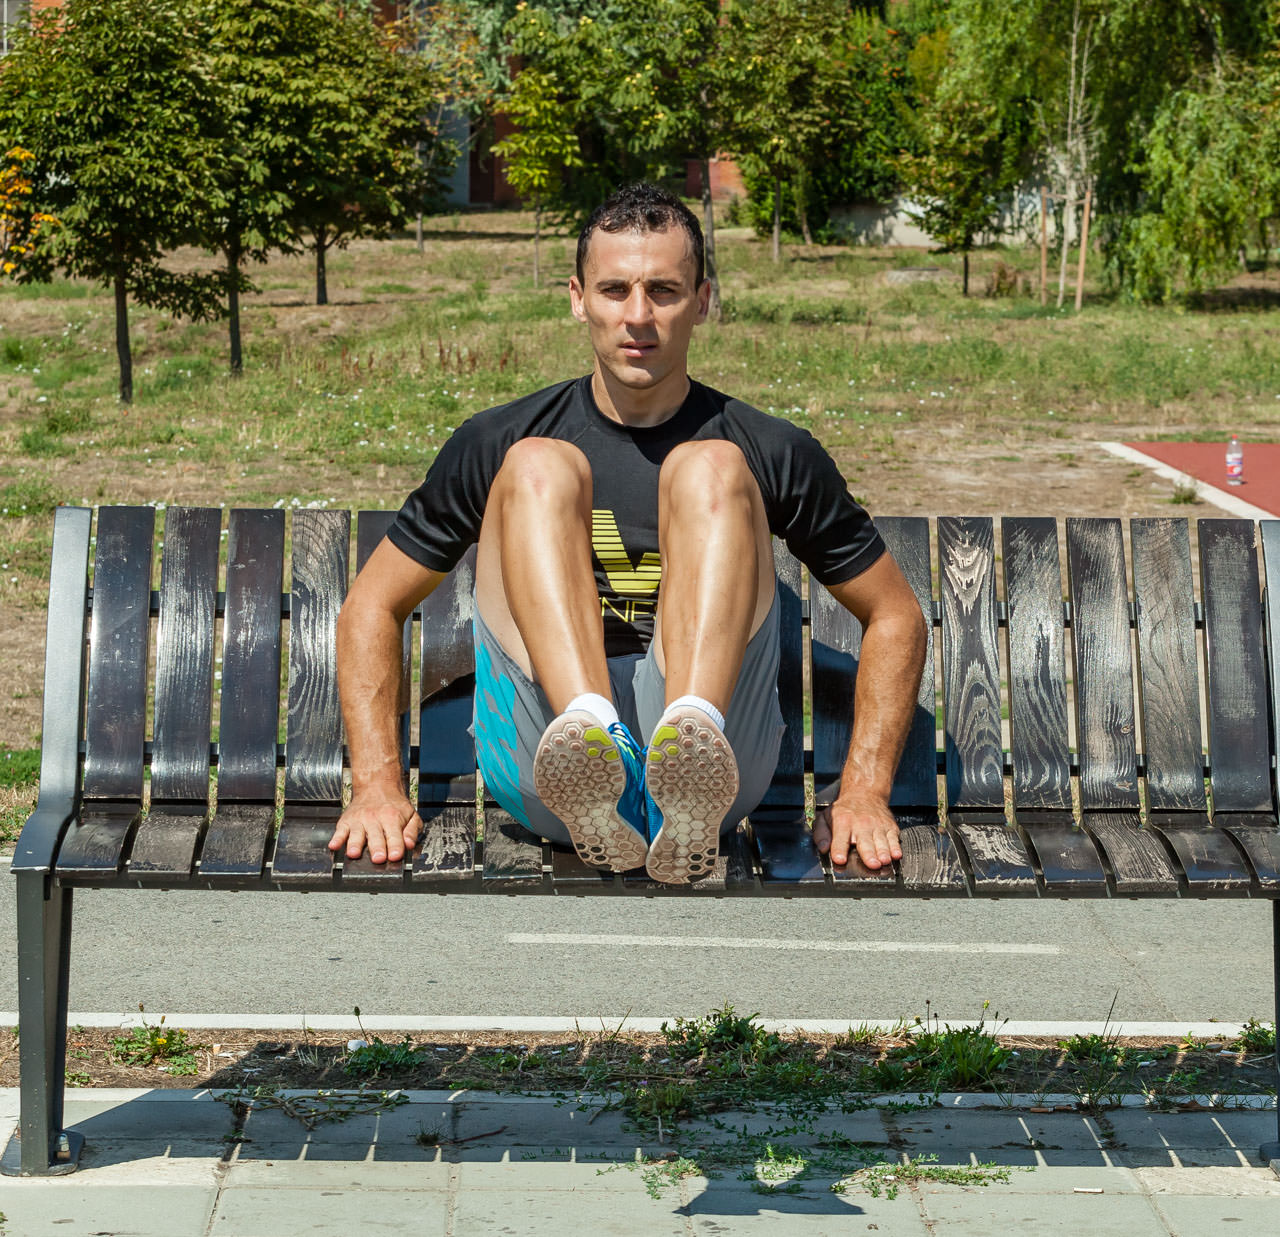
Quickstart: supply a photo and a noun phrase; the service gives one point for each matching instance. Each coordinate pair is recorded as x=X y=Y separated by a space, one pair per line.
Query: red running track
x=1206 y=461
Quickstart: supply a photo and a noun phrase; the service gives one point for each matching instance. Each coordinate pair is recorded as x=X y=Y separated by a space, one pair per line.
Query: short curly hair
x=644 y=207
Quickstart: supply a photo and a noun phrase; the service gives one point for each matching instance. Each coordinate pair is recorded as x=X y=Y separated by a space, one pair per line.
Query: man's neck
x=643 y=408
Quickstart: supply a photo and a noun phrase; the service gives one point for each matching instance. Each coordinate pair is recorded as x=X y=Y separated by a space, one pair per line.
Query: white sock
x=697 y=702
x=592 y=703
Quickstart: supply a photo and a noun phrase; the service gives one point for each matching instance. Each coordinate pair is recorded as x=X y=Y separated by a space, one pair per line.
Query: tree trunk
x=777 y=218
x=714 y=310
x=1067 y=207
x=537 y=233
x=322 y=276
x=233 y=306
x=124 y=353
x=802 y=206
x=966 y=271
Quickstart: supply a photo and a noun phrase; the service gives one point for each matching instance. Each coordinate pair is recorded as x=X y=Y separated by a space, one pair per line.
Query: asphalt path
x=591 y=958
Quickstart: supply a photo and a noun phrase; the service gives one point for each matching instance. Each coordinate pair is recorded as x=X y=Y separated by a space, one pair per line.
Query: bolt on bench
x=1111 y=800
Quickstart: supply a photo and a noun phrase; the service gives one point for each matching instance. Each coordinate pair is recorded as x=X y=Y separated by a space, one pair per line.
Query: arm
x=894 y=640
x=370 y=684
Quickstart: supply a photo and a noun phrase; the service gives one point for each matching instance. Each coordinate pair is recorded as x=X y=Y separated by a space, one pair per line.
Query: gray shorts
x=511 y=713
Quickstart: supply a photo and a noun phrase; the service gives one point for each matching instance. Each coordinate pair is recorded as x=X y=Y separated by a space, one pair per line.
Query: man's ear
x=704 y=299
x=575 y=299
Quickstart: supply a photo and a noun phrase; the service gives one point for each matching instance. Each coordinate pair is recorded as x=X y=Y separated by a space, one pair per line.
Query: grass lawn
x=931 y=402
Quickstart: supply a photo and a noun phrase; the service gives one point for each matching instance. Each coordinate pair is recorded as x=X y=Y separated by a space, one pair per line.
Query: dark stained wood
x=571 y=876
x=835 y=639
x=165 y=844
x=302 y=854
x=95 y=845
x=1137 y=860
x=184 y=657
x=787 y=788
x=931 y=864
x=116 y=710
x=997 y=859
x=235 y=844
x=250 y=703
x=1067 y=858
x=371 y=528
x=785 y=846
x=1269 y=530
x=1168 y=680
x=313 y=742
x=970 y=665
x=915 y=785
x=363 y=873
x=447 y=758
x=1037 y=671
x=512 y=856
x=1103 y=665
x=739 y=860
x=1239 y=736
x=446 y=851
x=1259 y=838
x=1211 y=861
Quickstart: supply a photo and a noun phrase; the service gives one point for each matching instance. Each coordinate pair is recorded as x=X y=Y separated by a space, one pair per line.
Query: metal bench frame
x=1067 y=805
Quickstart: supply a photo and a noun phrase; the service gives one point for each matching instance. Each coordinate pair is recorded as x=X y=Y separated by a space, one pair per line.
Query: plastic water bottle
x=1235 y=461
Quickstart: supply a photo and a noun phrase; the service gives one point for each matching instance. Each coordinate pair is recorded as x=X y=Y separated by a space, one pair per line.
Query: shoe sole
x=692 y=775
x=579 y=776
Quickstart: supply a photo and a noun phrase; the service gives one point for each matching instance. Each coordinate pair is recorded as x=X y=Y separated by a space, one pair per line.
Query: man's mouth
x=637 y=348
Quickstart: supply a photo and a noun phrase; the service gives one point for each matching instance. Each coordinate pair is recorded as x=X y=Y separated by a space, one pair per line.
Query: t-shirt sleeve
x=822 y=524
x=441 y=519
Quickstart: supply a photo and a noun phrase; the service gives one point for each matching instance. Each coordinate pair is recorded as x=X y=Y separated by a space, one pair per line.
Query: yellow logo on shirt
x=626 y=578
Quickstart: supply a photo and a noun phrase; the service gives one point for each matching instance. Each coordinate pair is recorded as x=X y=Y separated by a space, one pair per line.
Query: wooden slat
x=184 y=656
x=1039 y=735
x=1169 y=682
x=371 y=528
x=733 y=872
x=1103 y=666
x=1211 y=860
x=116 y=712
x=1239 y=735
x=313 y=742
x=165 y=845
x=447 y=759
x=997 y=859
x=970 y=666
x=235 y=843
x=1269 y=530
x=931 y=865
x=785 y=846
x=302 y=854
x=250 y=703
x=1259 y=838
x=571 y=876
x=446 y=852
x=1067 y=858
x=787 y=788
x=915 y=785
x=512 y=856
x=1137 y=859
x=96 y=844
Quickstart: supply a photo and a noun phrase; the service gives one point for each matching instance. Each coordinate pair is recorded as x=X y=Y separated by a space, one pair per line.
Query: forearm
x=889 y=670
x=371 y=688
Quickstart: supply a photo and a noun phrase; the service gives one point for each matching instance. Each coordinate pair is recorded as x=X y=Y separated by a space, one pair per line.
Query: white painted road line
x=1219 y=498
x=769 y=942
x=590 y=1024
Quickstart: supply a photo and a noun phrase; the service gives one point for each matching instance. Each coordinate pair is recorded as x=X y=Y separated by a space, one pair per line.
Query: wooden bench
x=1100 y=791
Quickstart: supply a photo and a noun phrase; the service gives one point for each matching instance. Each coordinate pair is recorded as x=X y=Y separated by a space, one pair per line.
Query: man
x=627 y=625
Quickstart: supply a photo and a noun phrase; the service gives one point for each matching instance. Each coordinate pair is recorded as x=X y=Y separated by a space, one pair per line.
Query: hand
x=383 y=820
x=865 y=825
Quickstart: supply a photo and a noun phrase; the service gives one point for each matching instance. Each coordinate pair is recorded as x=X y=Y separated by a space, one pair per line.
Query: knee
x=544 y=470
x=708 y=474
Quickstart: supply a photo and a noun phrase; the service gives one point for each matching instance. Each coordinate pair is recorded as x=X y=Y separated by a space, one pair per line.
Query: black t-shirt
x=805 y=497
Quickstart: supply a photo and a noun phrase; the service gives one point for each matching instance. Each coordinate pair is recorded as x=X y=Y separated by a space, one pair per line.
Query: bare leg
x=717 y=589
x=717 y=569
x=535 y=586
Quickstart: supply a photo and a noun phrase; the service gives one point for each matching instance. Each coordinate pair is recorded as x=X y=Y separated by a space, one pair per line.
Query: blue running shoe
x=635 y=804
x=588 y=776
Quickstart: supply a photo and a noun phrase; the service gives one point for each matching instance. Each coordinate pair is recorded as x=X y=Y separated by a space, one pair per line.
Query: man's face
x=640 y=305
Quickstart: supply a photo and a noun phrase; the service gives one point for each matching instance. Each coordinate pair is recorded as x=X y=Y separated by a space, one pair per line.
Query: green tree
x=109 y=99
x=542 y=145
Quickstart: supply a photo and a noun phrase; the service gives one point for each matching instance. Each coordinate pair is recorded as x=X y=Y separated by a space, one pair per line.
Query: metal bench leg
x=42 y=1147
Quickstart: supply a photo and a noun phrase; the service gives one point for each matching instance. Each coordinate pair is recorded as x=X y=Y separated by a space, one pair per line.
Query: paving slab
x=559 y=1213
x=539 y=1122
x=312 y=1212
x=983 y=1212
x=1218 y=1182
x=734 y=1207
x=1203 y=1216
x=76 y=1207
x=338 y=1175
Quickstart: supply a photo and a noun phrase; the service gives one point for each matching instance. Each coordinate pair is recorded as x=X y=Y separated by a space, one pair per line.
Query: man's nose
x=637 y=307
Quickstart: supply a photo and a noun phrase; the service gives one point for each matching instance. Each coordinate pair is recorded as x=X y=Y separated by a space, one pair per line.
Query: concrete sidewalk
x=183 y=1164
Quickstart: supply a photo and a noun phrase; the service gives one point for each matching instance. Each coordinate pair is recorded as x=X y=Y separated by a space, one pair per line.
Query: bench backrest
x=1118 y=703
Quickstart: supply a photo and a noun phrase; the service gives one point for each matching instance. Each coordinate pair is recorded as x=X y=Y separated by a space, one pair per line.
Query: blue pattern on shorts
x=495 y=732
